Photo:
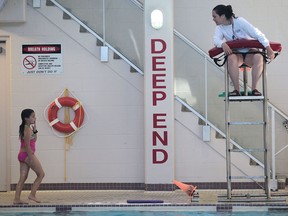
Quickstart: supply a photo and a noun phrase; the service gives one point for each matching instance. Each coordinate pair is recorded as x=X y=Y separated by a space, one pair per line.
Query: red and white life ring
x=66 y=102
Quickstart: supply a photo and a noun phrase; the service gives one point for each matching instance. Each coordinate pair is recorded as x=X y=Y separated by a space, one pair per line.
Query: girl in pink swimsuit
x=26 y=156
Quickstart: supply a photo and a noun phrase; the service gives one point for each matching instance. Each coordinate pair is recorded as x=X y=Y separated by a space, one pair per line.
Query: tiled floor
x=71 y=199
x=84 y=197
x=96 y=197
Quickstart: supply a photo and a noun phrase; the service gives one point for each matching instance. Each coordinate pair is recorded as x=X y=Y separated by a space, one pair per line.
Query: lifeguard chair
x=220 y=58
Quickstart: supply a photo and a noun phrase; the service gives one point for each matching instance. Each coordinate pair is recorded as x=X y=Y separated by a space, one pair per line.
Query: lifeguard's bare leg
x=256 y=61
x=234 y=61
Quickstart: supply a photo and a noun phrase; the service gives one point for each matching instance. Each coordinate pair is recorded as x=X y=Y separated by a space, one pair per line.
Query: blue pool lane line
x=145 y=201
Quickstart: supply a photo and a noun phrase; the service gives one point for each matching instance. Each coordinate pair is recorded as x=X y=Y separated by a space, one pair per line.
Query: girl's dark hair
x=26 y=113
x=226 y=10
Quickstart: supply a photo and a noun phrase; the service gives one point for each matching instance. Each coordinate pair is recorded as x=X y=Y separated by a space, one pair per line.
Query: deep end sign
x=159 y=95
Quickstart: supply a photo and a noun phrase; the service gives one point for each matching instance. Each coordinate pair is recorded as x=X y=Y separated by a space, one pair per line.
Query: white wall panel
x=110 y=148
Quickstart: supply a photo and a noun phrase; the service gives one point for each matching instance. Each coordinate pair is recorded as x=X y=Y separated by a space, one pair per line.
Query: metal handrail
x=138 y=4
x=97 y=36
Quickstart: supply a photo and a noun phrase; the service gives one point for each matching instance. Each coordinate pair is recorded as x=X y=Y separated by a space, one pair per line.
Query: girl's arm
x=35 y=131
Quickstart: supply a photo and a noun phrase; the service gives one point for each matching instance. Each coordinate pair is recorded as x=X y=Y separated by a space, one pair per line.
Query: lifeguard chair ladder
x=213 y=53
x=263 y=123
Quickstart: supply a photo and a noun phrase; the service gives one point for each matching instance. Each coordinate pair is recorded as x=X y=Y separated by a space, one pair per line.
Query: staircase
x=82 y=33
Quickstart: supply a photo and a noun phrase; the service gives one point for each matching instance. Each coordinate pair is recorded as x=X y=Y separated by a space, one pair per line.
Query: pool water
x=147 y=213
x=181 y=213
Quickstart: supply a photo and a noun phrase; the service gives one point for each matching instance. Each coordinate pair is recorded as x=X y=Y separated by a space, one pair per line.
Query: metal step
x=246 y=123
x=247 y=177
x=246 y=98
x=247 y=150
x=66 y=16
x=49 y=3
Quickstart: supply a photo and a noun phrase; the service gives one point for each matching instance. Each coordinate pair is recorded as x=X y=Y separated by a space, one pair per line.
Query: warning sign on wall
x=41 y=59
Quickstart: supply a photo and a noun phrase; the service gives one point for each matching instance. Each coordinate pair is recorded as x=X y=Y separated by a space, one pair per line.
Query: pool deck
x=213 y=200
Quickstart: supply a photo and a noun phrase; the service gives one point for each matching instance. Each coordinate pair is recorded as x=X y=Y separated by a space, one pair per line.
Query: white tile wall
x=110 y=147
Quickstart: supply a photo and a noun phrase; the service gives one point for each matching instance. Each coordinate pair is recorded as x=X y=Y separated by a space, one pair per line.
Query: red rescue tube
x=243 y=43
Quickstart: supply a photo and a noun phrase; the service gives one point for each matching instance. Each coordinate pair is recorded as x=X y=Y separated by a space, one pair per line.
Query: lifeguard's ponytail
x=226 y=10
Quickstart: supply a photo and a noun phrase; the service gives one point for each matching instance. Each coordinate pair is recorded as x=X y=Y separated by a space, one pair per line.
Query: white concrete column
x=159 y=95
x=4 y=116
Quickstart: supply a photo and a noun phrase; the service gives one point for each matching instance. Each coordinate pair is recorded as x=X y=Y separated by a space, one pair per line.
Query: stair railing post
x=227 y=131
x=265 y=132
x=206 y=128
x=274 y=185
x=104 y=51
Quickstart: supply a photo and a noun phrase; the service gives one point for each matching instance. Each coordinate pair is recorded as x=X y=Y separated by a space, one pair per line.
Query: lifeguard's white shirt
x=241 y=29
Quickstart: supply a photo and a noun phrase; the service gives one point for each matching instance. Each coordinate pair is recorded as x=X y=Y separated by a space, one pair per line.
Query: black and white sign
x=41 y=59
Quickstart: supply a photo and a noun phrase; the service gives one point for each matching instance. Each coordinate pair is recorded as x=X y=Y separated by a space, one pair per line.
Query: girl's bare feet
x=31 y=197
x=19 y=202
